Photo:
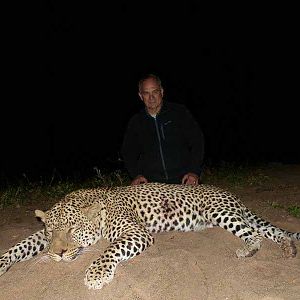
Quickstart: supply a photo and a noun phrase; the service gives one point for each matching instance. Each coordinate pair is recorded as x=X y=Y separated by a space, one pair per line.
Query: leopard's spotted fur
x=126 y=217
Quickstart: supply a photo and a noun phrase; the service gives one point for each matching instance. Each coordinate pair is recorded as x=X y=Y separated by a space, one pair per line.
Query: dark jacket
x=164 y=148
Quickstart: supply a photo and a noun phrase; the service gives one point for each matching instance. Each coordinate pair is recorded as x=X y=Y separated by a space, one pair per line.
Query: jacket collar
x=164 y=108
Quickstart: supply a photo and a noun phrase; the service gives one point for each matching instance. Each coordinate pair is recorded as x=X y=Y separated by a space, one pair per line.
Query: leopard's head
x=70 y=229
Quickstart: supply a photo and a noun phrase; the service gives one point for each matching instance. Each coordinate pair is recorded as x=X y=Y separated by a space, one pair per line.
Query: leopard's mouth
x=66 y=256
x=72 y=254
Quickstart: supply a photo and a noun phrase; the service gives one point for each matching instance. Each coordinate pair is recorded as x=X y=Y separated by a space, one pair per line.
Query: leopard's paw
x=97 y=276
x=288 y=247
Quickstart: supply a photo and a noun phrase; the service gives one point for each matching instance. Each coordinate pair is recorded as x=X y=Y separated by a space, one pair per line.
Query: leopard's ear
x=40 y=214
x=92 y=211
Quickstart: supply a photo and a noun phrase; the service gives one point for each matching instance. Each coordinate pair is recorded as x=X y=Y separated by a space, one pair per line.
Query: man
x=163 y=142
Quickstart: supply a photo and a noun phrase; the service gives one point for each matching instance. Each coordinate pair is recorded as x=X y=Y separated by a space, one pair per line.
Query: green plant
x=236 y=175
x=56 y=187
x=276 y=205
x=294 y=211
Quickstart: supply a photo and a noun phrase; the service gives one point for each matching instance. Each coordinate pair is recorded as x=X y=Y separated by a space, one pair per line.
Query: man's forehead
x=150 y=85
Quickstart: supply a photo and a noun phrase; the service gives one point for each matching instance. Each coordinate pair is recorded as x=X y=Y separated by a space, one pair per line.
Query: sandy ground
x=178 y=266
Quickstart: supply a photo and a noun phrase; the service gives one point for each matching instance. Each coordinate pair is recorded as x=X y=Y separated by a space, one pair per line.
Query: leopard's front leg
x=24 y=250
x=128 y=245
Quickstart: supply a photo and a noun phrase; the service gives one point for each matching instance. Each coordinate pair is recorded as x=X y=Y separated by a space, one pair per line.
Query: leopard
x=129 y=216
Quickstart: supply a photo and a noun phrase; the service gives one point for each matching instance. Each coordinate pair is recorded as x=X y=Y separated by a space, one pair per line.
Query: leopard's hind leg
x=24 y=250
x=237 y=226
x=252 y=243
x=281 y=237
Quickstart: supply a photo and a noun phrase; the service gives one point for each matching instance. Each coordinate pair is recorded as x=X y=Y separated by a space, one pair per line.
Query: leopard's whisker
x=91 y=250
x=37 y=260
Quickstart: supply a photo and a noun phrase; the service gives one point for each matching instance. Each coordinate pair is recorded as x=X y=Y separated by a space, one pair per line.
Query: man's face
x=151 y=94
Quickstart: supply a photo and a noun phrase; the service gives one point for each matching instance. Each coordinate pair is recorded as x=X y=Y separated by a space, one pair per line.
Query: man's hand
x=139 y=180
x=190 y=178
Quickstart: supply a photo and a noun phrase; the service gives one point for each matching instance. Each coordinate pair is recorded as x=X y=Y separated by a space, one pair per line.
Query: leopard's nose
x=61 y=252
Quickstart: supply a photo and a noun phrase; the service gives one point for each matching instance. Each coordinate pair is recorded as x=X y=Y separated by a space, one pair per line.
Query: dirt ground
x=179 y=266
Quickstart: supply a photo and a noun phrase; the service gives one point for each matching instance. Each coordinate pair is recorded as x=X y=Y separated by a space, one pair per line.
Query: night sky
x=71 y=96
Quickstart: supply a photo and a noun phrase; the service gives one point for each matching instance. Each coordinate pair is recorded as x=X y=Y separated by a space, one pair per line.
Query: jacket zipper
x=160 y=150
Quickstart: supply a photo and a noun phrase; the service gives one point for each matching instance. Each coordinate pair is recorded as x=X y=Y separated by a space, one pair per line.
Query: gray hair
x=148 y=76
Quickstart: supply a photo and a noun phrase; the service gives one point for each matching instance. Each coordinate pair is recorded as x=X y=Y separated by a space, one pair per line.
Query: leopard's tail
x=266 y=229
x=293 y=235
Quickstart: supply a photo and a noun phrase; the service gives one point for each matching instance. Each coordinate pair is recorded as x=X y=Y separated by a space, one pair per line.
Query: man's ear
x=140 y=95
x=40 y=214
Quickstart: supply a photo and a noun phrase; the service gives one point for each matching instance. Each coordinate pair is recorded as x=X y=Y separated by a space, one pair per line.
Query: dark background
x=72 y=84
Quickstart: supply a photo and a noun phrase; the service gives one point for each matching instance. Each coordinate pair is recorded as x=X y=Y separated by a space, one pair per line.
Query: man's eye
x=155 y=93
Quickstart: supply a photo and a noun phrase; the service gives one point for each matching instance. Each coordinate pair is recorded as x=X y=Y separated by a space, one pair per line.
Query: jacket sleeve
x=131 y=149
x=195 y=139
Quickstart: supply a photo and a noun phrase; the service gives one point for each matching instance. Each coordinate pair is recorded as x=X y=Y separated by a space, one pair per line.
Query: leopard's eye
x=72 y=229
